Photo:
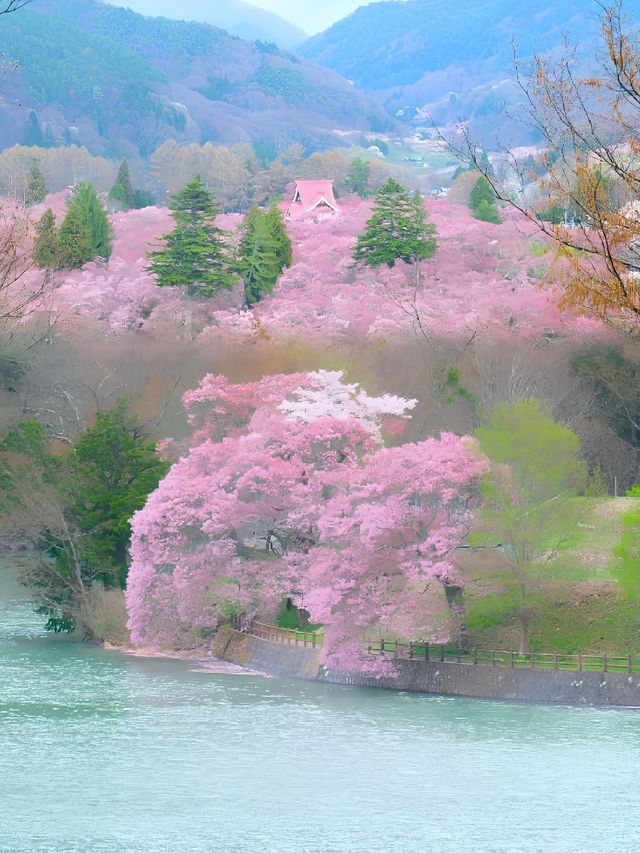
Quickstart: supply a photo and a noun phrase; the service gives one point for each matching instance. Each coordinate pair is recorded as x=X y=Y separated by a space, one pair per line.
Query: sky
x=312 y=16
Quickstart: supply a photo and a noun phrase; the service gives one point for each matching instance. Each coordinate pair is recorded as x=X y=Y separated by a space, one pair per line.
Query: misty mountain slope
x=450 y=59
x=120 y=83
x=395 y=43
x=240 y=19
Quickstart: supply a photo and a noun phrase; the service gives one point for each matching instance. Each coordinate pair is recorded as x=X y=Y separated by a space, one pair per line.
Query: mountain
x=312 y=17
x=238 y=18
x=122 y=84
x=453 y=60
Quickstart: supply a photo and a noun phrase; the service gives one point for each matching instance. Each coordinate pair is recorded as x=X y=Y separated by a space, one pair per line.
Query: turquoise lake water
x=100 y=752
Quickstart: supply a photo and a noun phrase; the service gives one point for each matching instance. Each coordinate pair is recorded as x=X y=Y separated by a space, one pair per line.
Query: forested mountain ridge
x=121 y=83
x=238 y=18
x=453 y=59
x=394 y=43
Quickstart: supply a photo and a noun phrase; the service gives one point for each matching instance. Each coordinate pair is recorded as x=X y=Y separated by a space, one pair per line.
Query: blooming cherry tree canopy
x=287 y=490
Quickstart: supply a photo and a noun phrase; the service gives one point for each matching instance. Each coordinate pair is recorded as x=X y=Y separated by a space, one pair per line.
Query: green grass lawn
x=586 y=614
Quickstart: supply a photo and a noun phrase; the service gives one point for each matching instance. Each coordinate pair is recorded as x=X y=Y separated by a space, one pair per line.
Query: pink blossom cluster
x=482 y=276
x=120 y=294
x=288 y=490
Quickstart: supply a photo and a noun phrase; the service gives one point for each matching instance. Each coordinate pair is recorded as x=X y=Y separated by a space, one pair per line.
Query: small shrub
x=102 y=616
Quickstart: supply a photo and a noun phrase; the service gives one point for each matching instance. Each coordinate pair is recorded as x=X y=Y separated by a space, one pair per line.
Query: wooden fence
x=443 y=653
x=290 y=636
x=499 y=658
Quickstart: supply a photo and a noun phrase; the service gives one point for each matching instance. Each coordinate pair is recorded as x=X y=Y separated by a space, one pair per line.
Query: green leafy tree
x=94 y=216
x=142 y=198
x=74 y=240
x=481 y=191
x=113 y=469
x=36 y=186
x=487 y=212
x=75 y=507
x=397 y=230
x=529 y=505
x=357 y=177
x=274 y=222
x=196 y=254
x=258 y=261
x=625 y=566
x=46 y=251
x=482 y=201
x=122 y=191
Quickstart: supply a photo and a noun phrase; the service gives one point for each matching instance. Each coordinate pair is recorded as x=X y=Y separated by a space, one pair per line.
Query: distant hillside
x=121 y=83
x=238 y=18
x=448 y=57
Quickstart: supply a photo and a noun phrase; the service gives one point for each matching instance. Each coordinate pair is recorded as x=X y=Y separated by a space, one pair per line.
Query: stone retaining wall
x=448 y=679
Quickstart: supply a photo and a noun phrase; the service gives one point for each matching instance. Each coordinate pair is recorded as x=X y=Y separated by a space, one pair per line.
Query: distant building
x=310 y=196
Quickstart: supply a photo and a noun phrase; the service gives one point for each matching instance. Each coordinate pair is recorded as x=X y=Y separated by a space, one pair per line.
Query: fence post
x=533 y=660
x=458 y=655
x=313 y=639
x=441 y=652
x=629 y=664
x=605 y=663
x=410 y=651
x=382 y=647
x=555 y=661
x=426 y=651
x=475 y=655
x=513 y=660
x=580 y=661
x=493 y=659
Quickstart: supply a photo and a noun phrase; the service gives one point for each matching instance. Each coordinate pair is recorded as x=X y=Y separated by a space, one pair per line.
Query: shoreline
x=202 y=657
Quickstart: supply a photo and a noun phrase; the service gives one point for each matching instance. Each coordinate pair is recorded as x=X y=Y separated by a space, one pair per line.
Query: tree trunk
x=525 y=624
x=188 y=312
x=457 y=614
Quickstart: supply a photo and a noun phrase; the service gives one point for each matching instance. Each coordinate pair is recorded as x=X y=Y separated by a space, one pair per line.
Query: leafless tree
x=7 y=6
x=585 y=183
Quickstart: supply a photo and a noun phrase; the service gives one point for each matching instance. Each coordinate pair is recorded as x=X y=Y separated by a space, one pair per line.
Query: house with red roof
x=312 y=196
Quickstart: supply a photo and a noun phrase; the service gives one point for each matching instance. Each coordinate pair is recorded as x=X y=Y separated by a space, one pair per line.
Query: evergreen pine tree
x=74 y=240
x=95 y=219
x=195 y=255
x=36 y=187
x=358 y=176
x=45 y=246
x=143 y=198
x=482 y=201
x=397 y=230
x=276 y=228
x=259 y=263
x=487 y=212
x=33 y=131
x=122 y=190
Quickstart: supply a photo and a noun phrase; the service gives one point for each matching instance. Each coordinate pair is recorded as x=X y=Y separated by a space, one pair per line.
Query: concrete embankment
x=447 y=679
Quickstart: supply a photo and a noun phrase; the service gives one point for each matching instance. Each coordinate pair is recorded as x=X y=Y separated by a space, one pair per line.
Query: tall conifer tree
x=36 y=187
x=195 y=255
x=122 y=189
x=397 y=231
x=275 y=226
x=74 y=240
x=259 y=263
x=95 y=219
x=45 y=246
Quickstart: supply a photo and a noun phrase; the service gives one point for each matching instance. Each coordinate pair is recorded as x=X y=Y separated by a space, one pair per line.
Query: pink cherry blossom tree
x=287 y=490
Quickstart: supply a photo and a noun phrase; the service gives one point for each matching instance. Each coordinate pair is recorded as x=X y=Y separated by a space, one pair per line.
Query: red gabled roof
x=311 y=194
